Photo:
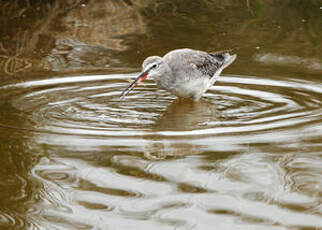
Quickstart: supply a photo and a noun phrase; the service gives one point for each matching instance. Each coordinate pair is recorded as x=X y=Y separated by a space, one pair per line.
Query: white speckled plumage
x=184 y=72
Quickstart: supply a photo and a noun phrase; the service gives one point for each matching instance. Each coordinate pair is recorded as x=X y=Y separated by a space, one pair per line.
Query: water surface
x=245 y=155
x=75 y=156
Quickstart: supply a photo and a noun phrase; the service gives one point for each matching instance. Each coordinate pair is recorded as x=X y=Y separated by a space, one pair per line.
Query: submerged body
x=185 y=73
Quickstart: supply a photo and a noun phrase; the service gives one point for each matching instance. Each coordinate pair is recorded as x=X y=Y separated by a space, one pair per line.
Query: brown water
x=246 y=156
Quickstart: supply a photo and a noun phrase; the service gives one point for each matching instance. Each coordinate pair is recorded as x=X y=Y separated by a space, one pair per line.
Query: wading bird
x=185 y=73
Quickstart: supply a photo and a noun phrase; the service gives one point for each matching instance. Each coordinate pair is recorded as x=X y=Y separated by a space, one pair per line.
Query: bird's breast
x=191 y=88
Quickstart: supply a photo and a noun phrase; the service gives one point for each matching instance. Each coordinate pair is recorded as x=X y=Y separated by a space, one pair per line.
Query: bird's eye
x=154 y=66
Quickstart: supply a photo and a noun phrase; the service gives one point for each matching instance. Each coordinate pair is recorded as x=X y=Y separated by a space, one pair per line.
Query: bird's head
x=153 y=67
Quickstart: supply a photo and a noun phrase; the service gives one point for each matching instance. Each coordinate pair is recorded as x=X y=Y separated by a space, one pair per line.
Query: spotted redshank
x=185 y=73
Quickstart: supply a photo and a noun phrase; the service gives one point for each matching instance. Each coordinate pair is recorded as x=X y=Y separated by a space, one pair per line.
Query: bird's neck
x=167 y=79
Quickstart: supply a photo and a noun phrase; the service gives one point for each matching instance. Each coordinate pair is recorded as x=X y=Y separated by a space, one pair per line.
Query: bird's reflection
x=180 y=116
x=187 y=115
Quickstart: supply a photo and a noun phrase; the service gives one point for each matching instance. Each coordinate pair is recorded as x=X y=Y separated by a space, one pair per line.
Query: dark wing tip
x=224 y=51
x=215 y=61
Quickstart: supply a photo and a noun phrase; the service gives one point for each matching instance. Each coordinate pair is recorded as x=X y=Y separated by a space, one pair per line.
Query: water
x=75 y=156
x=245 y=156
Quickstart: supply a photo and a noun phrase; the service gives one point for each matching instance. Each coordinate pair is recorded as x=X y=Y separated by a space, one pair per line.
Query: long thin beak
x=140 y=78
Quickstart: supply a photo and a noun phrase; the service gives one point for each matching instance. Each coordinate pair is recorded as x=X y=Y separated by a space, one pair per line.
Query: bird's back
x=195 y=71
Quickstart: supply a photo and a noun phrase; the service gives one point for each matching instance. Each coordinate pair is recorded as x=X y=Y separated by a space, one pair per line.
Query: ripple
x=90 y=105
x=55 y=172
x=7 y=220
x=11 y=221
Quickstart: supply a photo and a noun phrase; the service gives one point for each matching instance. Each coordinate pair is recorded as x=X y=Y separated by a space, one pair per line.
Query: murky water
x=244 y=157
x=73 y=155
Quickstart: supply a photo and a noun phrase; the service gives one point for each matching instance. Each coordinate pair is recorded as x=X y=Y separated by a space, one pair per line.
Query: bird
x=186 y=73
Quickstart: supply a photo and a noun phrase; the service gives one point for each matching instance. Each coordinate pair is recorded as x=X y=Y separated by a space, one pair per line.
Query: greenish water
x=73 y=156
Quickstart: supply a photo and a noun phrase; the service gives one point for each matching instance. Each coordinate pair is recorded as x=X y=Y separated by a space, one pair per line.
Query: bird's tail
x=225 y=57
x=224 y=51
